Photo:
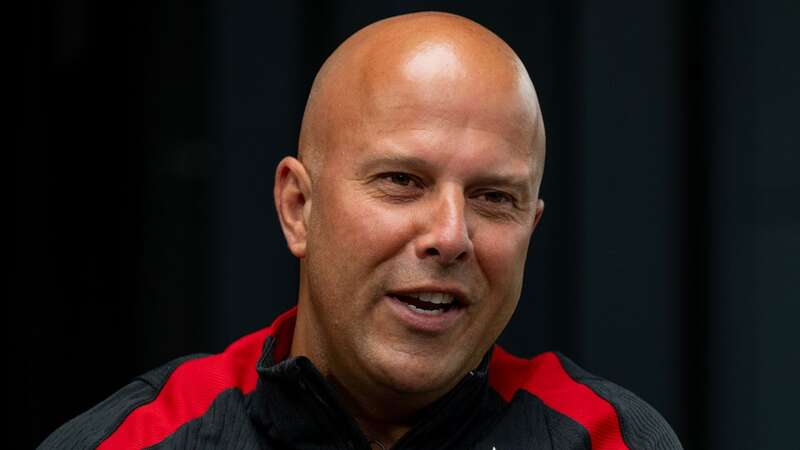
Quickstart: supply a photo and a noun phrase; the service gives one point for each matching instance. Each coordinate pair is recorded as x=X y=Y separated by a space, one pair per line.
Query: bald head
x=423 y=63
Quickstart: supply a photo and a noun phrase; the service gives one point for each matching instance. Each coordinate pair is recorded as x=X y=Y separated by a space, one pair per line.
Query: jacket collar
x=296 y=407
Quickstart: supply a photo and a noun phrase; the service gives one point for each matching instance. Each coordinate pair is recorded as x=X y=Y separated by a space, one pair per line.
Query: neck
x=378 y=423
x=383 y=414
x=385 y=435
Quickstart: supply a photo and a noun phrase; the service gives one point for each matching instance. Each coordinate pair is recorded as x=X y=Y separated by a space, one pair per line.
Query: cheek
x=360 y=229
x=501 y=254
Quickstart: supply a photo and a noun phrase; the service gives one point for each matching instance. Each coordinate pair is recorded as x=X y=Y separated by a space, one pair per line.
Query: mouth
x=428 y=303
x=428 y=311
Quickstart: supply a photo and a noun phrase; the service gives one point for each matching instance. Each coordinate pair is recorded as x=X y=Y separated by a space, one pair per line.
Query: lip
x=461 y=297
x=424 y=323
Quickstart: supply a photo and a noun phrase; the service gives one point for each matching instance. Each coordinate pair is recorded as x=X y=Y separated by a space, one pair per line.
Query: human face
x=431 y=192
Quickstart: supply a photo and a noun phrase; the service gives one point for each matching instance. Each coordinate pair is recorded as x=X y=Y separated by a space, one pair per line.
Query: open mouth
x=429 y=303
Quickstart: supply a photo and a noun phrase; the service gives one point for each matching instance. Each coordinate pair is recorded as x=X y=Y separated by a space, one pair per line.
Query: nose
x=445 y=236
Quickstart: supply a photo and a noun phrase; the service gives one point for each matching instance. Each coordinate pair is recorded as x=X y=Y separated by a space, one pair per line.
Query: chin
x=412 y=374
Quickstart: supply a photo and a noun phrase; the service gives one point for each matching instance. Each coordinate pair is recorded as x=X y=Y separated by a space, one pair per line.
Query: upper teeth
x=435 y=297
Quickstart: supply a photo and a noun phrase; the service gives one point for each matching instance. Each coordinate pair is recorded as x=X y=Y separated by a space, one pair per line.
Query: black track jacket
x=251 y=396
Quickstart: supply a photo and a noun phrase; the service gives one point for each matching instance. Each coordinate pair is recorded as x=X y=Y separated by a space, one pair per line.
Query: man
x=410 y=207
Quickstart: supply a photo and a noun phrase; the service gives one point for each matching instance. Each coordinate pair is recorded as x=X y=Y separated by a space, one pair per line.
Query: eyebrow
x=377 y=162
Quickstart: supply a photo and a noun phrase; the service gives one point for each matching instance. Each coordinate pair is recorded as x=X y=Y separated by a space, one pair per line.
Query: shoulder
x=155 y=405
x=94 y=426
x=614 y=417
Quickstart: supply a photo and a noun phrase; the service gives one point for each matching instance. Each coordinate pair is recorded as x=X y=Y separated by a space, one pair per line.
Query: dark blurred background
x=667 y=259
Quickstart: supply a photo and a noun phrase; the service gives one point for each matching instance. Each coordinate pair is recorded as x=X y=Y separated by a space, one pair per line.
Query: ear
x=293 y=201
x=539 y=212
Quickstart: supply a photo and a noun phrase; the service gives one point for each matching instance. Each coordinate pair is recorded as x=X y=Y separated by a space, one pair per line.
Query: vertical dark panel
x=730 y=114
x=698 y=226
x=259 y=98
x=776 y=209
x=113 y=171
x=76 y=165
x=169 y=58
x=629 y=199
x=562 y=170
x=30 y=242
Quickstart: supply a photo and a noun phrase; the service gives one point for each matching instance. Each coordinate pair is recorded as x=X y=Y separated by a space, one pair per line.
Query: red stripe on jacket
x=192 y=387
x=545 y=377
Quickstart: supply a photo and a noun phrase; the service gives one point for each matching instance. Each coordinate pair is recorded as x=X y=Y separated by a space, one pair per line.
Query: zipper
x=338 y=417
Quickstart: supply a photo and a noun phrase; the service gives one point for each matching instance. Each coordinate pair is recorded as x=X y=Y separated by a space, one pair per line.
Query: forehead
x=446 y=114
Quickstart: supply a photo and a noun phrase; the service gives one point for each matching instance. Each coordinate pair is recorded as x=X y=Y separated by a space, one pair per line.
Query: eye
x=497 y=197
x=397 y=186
x=398 y=178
